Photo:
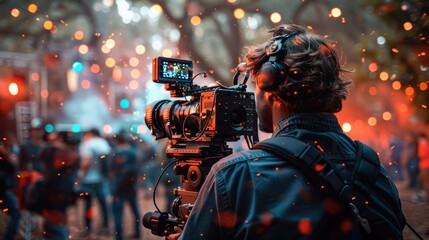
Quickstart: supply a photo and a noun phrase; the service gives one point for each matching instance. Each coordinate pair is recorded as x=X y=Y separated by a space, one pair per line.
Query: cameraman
x=256 y=195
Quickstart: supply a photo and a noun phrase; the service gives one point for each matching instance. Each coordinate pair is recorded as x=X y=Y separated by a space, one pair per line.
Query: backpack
x=375 y=218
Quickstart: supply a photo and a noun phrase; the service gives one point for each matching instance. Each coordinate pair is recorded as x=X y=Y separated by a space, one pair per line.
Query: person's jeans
x=98 y=190
x=11 y=204
x=413 y=172
x=118 y=206
x=54 y=231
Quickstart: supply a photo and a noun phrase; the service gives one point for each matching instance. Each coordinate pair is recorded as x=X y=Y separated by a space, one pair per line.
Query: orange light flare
x=373 y=67
x=372 y=91
x=423 y=86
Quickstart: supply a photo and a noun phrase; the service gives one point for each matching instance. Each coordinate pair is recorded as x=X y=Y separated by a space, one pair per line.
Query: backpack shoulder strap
x=307 y=159
x=319 y=170
x=365 y=172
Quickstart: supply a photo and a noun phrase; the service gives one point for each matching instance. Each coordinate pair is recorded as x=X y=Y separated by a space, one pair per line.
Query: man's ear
x=269 y=96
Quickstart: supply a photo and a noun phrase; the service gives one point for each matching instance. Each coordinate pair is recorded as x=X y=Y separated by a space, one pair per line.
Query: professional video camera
x=197 y=129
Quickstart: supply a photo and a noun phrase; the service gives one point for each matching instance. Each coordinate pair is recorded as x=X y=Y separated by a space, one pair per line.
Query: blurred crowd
x=406 y=159
x=50 y=172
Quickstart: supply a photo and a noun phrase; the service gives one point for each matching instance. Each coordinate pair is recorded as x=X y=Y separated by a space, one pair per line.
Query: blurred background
x=75 y=65
x=78 y=64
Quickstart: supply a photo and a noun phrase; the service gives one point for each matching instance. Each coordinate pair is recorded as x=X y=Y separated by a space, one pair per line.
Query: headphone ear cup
x=268 y=77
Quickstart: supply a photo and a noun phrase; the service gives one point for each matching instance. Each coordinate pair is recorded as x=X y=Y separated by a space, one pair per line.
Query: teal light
x=75 y=128
x=77 y=67
x=49 y=128
x=134 y=128
x=124 y=103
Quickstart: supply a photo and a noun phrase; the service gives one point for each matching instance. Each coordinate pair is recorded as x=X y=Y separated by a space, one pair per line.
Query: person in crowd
x=423 y=152
x=394 y=167
x=148 y=169
x=123 y=177
x=423 y=155
x=60 y=164
x=8 y=200
x=255 y=194
x=412 y=159
x=95 y=153
x=29 y=151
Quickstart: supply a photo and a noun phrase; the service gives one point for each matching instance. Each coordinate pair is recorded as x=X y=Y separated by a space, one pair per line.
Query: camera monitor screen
x=169 y=70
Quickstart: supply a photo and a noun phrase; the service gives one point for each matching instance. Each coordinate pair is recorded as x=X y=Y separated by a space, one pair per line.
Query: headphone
x=272 y=72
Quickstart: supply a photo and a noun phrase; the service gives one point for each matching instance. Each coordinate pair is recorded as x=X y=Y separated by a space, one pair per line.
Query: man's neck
x=279 y=111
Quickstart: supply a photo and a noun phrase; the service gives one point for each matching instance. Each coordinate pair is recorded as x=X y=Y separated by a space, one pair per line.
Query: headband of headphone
x=272 y=71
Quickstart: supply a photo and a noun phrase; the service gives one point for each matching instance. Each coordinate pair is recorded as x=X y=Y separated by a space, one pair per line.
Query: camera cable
x=157 y=182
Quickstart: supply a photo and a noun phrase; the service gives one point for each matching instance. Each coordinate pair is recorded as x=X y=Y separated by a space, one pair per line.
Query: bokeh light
x=381 y=40
x=167 y=53
x=85 y=84
x=107 y=129
x=239 y=13
x=133 y=84
x=384 y=76
x=423 y=86
x=336 y=12
x=15 y=12
x=347 y=127
x=134 y=62
x=13 y=89
x=195 y=20
x=156 y=8
x=408 y=26
x=135 y=73
x=44 y=93
x=387 y=116
x=95 y=68
x=275 y=17
x=110 y=43
x=372 y=91
x=32 y=8
x=35 y=76
x=110 y=62
x=124 y=103
x=78 y=35
x=140 y=49
x=409 y=91
x=372 y=121
x=396 y=85
x=75 y=128
x=77 y=66
x=83 y=49
x=403 y=107
x=373 y=67
x=49 y=128
x=48 y=25
x=105 y=49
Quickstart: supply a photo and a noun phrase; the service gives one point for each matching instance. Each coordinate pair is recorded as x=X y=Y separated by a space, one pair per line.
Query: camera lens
x=237 y=118
x=167 y=117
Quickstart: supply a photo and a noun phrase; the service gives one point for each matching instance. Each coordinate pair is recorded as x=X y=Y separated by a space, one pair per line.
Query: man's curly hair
x=312 y=81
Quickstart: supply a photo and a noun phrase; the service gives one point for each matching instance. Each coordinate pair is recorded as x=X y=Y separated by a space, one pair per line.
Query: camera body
x=197 y=129
x=211 y=114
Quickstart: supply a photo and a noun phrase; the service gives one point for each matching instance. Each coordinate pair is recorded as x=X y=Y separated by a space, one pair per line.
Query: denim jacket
x=255 y=195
